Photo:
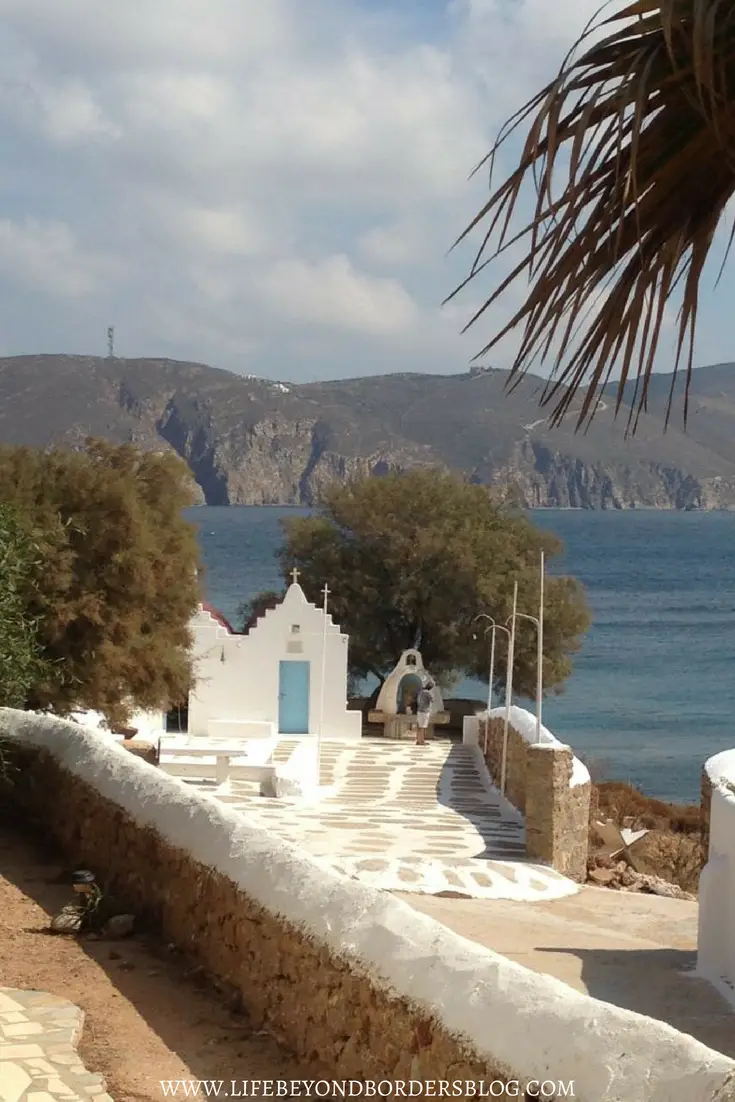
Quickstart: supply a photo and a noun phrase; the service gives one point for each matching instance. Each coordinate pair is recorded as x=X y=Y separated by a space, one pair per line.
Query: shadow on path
x=659 y=983
x=461 y=789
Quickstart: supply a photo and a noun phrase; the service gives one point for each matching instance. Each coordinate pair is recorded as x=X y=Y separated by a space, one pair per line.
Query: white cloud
x=396 y=129
x=63 y=110
x=150 y=31
x=271 y=186
x=333 y=293
x=208 y=232
x=400 y=244
x=70 y=113
x=46 y=258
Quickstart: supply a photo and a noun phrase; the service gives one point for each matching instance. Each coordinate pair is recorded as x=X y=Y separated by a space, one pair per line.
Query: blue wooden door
x=293 y=698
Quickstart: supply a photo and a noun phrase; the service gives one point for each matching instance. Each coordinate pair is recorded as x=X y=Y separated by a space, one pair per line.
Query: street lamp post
x=539 y=679
x=493 y=627
x=539 y=622
x=326 y=592
x=509 y=686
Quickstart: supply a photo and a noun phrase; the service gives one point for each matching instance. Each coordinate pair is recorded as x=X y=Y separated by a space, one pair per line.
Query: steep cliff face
x=542 y=478
x=282 y=467
x=277 y=462
x=250 y=441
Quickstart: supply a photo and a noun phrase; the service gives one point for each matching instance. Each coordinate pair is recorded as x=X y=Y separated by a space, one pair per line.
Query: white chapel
x=273 y=675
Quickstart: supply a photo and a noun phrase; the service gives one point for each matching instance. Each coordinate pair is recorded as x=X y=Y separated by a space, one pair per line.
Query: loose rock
x=653 y=885
x=602 y=876
x=619 y=876
x=119 y=926
x=145 y=750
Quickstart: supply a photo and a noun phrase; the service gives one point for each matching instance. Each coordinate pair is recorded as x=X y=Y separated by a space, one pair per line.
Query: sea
x=652 y=695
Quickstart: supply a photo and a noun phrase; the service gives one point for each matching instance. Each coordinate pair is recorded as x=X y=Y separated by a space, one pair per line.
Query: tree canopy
x=639 y=127
x=411 y=560
x=113 y=583
x=21 y=664
x=251 y=611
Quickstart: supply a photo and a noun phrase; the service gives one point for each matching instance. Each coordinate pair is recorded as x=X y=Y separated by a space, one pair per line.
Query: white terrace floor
x=408 y=818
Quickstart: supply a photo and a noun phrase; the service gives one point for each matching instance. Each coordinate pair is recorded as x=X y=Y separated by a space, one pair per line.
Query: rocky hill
x=253 y=441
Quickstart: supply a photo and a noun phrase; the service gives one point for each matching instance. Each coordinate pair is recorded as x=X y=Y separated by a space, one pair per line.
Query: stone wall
x=557 y=812
x=284 y=977
x=705 y=810
x=548 y=785
x=516 y=762
x=351 y=977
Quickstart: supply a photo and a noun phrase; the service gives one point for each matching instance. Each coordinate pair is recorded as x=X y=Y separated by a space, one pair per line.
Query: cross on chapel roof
x=295 y=575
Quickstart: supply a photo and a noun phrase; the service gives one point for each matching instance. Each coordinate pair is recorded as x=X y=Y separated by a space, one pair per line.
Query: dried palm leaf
x=645 y=118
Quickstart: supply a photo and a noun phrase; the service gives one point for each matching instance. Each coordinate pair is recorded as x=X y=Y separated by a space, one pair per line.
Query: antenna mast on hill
x=111 y=343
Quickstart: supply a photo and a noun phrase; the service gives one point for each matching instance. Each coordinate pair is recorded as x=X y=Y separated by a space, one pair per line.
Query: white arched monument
x=403 y=684
x=395 y=707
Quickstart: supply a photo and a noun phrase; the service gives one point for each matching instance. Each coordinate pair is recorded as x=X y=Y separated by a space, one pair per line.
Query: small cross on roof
x=295 y=575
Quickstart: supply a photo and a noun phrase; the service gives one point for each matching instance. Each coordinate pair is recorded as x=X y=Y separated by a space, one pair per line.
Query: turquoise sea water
x=653 y=691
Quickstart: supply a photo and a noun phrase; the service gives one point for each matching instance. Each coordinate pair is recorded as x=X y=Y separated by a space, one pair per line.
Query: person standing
x=424 y=705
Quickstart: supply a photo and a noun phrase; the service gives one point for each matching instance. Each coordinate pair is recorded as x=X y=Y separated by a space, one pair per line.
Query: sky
x=267 y=186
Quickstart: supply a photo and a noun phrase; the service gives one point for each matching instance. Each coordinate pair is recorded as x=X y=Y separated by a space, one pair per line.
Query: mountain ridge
x=249 y=440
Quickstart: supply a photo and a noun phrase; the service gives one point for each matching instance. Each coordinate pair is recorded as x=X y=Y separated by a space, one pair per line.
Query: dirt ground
x=148 y=1015
x=635 y=951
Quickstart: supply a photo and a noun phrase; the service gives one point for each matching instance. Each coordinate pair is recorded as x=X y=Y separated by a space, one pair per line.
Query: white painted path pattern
x=39 y=1034
x=414 y=819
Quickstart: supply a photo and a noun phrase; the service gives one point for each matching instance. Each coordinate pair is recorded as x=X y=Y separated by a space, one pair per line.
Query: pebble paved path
x=39 y=1034
x=416 y=819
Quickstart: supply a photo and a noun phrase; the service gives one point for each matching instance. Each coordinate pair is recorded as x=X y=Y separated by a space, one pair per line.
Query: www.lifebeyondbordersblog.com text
x=543 y=1090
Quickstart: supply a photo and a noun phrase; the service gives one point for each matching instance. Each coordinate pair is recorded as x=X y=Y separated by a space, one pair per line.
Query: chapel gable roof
x=218 y=617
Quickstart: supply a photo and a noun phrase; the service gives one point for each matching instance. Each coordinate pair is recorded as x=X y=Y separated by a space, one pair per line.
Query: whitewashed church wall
x=237 y=676
x=716 y=936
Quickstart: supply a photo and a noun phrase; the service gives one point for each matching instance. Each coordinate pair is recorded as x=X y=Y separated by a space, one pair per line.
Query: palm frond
x=642 y=123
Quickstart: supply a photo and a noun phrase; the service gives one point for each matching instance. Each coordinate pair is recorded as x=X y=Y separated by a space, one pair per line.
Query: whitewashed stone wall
x=716 y=939
x=504 y=1016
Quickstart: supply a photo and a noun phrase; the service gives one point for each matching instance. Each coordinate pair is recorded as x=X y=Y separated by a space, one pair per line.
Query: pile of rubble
x=606 y=871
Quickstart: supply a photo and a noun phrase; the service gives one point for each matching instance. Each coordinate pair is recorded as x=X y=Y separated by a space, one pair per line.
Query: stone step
x=240 y=790
x=240 y=769
x=241 y=773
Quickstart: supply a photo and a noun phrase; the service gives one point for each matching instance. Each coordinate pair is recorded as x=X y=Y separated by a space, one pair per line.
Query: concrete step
x=251 y=773
x=193 y=767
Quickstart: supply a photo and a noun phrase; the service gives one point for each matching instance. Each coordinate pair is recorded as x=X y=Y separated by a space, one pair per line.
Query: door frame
x=281 y=694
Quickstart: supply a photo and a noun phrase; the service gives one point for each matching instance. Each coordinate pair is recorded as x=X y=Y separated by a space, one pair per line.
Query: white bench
x=222 y=752
x=241 y=728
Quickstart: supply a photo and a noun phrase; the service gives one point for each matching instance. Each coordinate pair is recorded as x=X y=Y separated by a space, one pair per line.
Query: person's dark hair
x=429 y=684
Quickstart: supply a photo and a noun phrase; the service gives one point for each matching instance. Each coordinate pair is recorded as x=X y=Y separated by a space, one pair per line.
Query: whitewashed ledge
x=510 y=1016
x=716 y=935
x=524 y=723
x=721 y=771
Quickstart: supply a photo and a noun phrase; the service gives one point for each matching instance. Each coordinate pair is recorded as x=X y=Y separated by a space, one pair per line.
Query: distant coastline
x=246 y=439
x=529 y=508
